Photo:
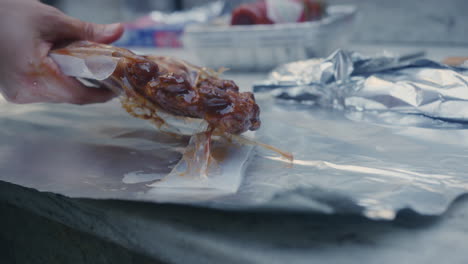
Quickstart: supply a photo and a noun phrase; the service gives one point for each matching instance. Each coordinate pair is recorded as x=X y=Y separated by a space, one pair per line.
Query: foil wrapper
x=377 y=84
x=341 y=165
x=99 y=151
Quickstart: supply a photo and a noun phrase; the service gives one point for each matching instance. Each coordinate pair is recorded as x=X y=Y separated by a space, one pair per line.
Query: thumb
x=58 y=27
x=98 y=32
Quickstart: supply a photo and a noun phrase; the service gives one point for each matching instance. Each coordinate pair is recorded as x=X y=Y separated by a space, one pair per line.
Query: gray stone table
x=48 y=228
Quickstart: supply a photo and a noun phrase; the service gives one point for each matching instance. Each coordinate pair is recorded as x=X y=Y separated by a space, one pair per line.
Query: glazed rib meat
x=182 y=89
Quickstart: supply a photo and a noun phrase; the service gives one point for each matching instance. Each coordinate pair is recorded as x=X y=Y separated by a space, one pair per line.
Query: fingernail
x=110 y=29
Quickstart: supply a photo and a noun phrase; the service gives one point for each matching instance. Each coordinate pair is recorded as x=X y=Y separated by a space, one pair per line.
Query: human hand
x=29 y=29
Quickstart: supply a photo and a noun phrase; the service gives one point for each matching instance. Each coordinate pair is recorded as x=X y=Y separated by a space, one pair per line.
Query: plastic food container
x=262 y=47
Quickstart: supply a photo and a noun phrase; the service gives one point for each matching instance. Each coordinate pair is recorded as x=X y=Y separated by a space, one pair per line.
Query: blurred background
x=381 y=21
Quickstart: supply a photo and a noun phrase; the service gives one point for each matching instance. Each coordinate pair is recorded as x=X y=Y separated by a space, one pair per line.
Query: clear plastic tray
x=262 y=47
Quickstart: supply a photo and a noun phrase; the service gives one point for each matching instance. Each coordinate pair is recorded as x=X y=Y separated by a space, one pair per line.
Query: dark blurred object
x=27 y=237
x=178 y=5
x=258 y=12
x=51 y=2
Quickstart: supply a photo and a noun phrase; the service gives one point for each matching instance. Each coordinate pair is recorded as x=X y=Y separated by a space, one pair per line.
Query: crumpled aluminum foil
x=387 y=83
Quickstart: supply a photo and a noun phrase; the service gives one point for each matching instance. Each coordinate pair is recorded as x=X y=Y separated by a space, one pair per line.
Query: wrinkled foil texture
x=382 y=84
x=387 y=131
x=341 y=165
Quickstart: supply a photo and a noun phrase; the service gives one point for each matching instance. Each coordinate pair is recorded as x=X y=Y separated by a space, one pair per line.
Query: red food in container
x=250 y=14
x=256 y=13
x=313 y=10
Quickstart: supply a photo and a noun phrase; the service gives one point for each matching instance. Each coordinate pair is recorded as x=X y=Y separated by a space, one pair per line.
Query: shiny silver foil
x=378 y=84
x=342 y=164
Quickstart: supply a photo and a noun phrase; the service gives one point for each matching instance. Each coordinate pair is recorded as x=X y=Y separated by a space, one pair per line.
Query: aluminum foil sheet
x=101 y=151
x=342 y=164
x=381 y=84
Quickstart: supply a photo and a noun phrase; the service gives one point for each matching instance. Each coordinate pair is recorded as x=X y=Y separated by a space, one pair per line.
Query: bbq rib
x=171 y=93
x=176 y=87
